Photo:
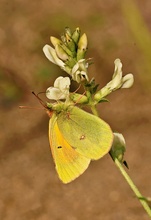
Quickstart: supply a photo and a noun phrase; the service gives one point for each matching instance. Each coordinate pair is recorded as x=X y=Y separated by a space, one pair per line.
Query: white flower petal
x=81 y=61
x=62 y=83
x=84 y=75
x=60 y=89
x=116 y=81
x=77 y=77
x=53 y=93
x=79 y=71
x=48 y=50
x=118 y=147
x=57 y=81
x=114 y=84
x=118 y=67
x=118 y=138
x=128 y=81
x=65 y=83
x=50 y=53
x=75 y=68
x=117 y=76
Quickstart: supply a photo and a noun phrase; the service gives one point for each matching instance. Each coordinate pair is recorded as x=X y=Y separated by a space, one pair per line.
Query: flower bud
x=68 y=31
x=70 y=62
x=78 y=98
x=61 y=53
x=70 y=43
x=118 y=147
x=76 y=35
x=55 y=41
x=66 y=49
x=82 y=47
x=63 y=38
x=83 y=42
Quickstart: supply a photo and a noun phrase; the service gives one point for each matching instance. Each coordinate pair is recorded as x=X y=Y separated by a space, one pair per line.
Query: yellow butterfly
x=77 y=137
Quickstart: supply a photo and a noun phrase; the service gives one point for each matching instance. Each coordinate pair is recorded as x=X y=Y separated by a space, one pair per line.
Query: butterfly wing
x=90 y=135
x=69 y=163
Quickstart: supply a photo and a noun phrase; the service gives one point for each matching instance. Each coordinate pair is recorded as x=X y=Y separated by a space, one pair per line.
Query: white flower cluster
x=69 y=54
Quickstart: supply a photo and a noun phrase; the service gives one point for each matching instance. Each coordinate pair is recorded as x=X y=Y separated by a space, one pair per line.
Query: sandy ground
x=29 y=186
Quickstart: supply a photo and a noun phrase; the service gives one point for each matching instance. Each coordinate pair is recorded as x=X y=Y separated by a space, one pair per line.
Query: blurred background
x=29 y=186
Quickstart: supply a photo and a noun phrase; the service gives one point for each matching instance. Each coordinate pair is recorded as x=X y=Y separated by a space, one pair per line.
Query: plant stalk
x=133 y=187
x=127 y=177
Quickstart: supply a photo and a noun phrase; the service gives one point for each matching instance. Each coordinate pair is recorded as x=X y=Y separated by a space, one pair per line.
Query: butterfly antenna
x=28 y=107
x=40 y=100
x=77 y=101
x=77 y=89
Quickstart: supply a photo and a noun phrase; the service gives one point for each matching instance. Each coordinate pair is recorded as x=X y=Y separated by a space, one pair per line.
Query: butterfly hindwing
x=90 y=135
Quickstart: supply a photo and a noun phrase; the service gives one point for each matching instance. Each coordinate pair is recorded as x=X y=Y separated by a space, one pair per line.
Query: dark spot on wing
x=59 y=147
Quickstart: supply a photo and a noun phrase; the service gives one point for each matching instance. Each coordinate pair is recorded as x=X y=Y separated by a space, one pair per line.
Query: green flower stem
x=133 y=187
x=127 y=177
x=94 y=110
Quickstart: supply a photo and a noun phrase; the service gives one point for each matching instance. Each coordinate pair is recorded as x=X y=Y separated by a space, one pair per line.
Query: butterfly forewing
x=69 y=163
